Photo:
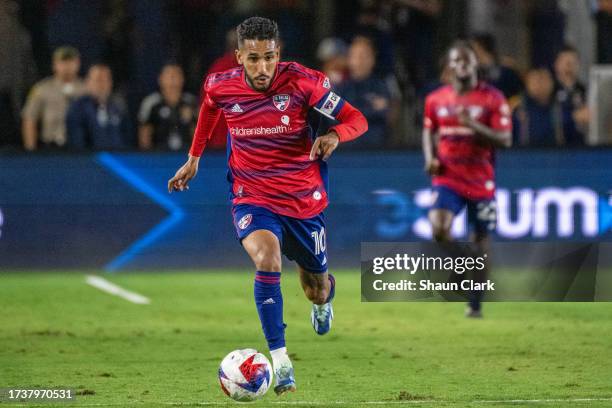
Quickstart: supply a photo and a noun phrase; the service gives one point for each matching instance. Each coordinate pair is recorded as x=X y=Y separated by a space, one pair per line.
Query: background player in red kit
x=470 y=119
x=277 y=173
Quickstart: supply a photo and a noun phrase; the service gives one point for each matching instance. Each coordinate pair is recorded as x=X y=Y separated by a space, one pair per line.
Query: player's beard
x=254 y=83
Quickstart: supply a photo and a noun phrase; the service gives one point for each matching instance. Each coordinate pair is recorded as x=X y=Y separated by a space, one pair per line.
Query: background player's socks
x=269 y=301
x=332 y=288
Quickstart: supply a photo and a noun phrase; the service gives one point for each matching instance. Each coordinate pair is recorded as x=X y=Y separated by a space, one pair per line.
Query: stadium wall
x=112 y=211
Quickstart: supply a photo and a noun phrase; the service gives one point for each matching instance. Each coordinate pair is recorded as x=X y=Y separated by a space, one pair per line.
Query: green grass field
x=58 y=331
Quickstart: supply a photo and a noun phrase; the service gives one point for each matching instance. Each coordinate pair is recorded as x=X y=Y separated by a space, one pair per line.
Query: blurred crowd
x=135 y=82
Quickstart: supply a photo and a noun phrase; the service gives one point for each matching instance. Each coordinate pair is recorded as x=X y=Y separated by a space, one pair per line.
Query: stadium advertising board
x=121 y=216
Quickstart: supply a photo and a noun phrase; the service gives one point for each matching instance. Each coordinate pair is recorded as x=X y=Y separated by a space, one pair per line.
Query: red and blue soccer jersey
x=467 y=163
x=270 y=139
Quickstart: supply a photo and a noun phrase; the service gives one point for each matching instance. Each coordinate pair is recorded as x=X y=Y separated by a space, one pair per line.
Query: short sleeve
x=430 y=121
x=500 y=118
x=34 y=104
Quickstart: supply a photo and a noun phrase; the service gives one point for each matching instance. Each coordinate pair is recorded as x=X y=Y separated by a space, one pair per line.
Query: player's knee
x=267 y=261
x=440 y=234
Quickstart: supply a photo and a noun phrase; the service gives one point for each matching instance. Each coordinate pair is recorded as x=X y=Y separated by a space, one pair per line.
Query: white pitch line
x=349 y=403
x=538 y=401
x=111 y=288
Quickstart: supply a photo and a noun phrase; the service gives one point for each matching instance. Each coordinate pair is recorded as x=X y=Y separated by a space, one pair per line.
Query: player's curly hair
x=460 y=43
x=257 y=28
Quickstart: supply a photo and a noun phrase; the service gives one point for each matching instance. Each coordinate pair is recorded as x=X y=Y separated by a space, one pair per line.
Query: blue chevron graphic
x=176 y=214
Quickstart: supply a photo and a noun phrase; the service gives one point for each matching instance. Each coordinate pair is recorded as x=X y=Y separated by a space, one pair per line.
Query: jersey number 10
x=319 y=240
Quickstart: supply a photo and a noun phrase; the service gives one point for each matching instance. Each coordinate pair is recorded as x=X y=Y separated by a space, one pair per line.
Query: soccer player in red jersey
x=469 y=119
x=277 y=173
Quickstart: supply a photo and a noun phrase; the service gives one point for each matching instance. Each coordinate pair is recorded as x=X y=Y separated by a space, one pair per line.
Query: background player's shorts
x=302 y=241
x=482 y=214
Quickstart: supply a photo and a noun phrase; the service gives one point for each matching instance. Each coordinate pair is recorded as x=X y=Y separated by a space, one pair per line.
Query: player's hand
x=432 y=167
x=463 y=116
x=323 y=146
x=183 y=175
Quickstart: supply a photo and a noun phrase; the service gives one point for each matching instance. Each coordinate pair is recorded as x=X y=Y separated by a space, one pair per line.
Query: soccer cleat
x=473 y=313
x=321 y=318
x=284 y=379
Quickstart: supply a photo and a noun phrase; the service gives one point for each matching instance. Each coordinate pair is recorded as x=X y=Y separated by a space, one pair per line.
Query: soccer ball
x=245 y=375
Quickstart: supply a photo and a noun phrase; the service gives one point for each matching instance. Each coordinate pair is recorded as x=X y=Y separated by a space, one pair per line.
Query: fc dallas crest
x=245 y=221
x=281 y=102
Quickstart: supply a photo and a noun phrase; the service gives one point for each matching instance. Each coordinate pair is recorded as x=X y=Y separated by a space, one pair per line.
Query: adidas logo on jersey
x=269 y=301
x=236 y=108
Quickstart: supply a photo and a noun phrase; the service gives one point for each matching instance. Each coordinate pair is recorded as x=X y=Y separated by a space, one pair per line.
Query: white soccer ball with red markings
x=245 y=375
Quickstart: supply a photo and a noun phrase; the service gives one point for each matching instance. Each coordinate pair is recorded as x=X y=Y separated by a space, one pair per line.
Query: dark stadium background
x=59 y=204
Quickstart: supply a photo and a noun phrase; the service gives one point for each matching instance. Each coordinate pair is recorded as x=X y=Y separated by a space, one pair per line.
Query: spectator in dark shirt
x=373 y=96
x=167 y=118
x=537 y=118
x=97 y=120
x=502 y=77
x=570 y=93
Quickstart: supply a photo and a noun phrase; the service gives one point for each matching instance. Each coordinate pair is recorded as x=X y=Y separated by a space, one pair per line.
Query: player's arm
x=207 y=120
x=145 y=125
x=499 y=133
x=31 y=113
x=145 y=136
x=29 y=134
x=432 y=164
x=498 y=138
x=352 y=122
x=352 y=125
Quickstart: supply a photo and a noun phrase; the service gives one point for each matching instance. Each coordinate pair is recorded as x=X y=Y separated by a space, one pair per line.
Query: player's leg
x=320 y=289
x=445 y=205
x=482 y=217
x=305 y=242
x=261 y=235
x=441 y=222
x=317 y=286
x=264 y=249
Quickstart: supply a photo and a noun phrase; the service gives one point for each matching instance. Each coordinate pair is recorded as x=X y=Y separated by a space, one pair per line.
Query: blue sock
x=269 y=301
x=332 y=289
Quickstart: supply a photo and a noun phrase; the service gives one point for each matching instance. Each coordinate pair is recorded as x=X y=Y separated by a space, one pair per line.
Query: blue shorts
x=302 y=241
x=482 y=214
